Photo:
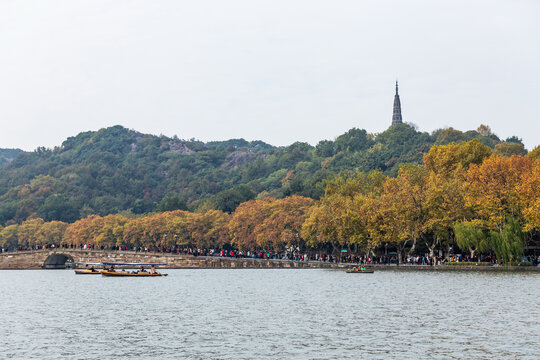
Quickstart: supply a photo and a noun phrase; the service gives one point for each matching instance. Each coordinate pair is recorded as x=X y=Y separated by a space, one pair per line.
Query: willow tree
x=471 y=238
x=508 y=244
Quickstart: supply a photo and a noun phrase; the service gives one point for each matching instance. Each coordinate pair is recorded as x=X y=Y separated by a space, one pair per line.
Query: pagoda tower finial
x=396 y=117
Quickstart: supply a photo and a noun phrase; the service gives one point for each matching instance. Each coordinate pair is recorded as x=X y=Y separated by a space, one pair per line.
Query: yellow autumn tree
x=84 y=231
x=30 y=234
x=209 y=229
x=9 y=236
x=339 y=220
x=492 y=190
x=243 y=223
x=282 y=223
x=404 y=205
x=445 y=205
x=529 y=191
x=53 y=231
x=133 y=233
x=110 y=231
x=450 y=159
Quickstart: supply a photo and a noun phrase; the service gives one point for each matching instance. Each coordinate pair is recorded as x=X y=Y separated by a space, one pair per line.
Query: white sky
x=277 y=71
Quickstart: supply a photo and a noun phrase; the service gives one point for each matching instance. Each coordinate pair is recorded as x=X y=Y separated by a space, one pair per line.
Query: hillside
x=8 y=155
x=116 y=169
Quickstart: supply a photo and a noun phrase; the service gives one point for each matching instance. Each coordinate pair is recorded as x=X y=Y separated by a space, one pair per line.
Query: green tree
x=171 y=203
x=353 y=140
x=469 y=237
x=59 y=207
x=228 y=200
x=142 y=206
x=514 y=139
x=325 y=148
x=449 y=135
x=508 y=244
x=509 y=149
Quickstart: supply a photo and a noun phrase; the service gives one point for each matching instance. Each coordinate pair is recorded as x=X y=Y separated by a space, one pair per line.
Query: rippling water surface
x=270 y=314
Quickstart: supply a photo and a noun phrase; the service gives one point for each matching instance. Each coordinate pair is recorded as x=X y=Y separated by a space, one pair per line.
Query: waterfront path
x=60 y=257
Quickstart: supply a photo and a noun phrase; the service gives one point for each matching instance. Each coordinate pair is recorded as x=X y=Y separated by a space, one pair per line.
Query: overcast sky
x=277 y=71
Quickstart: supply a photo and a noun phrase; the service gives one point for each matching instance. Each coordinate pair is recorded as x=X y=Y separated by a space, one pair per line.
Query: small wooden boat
x=127 y=273
x=360 y=271
x=88 y=272
x=89 y=268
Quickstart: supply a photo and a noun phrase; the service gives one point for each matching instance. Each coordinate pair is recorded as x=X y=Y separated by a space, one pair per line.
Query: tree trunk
x=413 y=247
x=432 y=248
x=401 y=250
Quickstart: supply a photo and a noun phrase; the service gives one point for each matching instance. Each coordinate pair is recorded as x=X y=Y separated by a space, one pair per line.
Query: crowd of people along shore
x=386 y=259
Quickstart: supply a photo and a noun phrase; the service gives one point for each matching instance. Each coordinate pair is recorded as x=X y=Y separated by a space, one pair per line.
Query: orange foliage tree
x=529 y=191
x=269 y=223
x=492 y=190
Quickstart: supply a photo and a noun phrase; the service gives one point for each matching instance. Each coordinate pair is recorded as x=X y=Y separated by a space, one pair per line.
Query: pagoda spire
x=396 y=117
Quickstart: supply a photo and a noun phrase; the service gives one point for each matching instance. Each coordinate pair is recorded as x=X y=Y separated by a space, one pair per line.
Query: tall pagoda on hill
x=396 y=117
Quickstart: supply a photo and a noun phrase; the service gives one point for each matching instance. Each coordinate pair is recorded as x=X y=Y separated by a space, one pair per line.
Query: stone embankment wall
x=22 y=260
x=36 y=260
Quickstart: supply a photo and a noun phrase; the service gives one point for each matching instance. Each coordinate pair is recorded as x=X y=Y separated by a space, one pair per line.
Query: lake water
x=270 y=314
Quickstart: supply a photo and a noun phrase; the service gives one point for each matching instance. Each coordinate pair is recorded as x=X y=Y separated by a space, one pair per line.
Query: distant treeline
x=466 y=197
x=116 y=170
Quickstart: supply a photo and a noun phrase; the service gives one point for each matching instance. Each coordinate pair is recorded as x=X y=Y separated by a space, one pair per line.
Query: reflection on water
x=270 y=314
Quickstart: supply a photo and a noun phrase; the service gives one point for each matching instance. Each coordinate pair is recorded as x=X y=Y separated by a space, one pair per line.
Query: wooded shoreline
x=465 y=200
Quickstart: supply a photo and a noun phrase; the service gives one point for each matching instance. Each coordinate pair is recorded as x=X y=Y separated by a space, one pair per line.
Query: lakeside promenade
x=59 y=257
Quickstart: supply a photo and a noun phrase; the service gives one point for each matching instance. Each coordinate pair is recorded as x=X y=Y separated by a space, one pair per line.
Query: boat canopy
x=131 y=264
x=89 y=263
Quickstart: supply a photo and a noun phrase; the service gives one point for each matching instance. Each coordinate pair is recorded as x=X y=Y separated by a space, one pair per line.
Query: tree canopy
x=115 y=170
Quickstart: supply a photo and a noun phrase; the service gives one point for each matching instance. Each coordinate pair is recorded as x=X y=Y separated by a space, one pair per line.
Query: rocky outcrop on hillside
x=176 y=146
x=240 y=158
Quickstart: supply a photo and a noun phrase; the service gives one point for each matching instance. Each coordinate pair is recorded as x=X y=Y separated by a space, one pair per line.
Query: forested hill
x=8 y=155
x=115 y=169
